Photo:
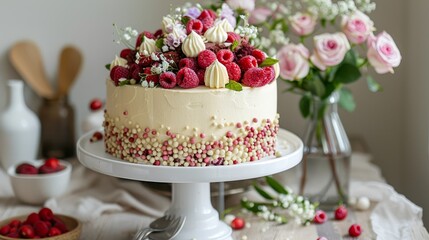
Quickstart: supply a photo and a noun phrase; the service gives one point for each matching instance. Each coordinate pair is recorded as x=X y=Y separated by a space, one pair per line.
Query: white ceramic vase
x=19 y=128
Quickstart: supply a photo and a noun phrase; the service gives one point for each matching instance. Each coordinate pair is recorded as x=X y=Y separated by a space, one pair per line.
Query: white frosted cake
x=195 y=93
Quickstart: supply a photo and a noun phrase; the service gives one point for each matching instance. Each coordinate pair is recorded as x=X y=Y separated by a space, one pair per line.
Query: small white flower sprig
x=294 y=206
x=126 y=36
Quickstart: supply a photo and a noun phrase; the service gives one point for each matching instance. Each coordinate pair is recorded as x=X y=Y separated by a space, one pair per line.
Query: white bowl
x=36 y=189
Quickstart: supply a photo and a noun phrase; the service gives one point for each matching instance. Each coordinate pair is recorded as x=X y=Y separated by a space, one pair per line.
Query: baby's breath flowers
x=281 y=206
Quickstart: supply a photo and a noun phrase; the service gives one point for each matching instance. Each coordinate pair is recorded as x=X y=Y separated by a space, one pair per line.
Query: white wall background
x=393 y=123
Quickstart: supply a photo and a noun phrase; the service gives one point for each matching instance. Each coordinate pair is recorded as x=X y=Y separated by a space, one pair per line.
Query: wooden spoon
x=27 y=60
x=70 y=63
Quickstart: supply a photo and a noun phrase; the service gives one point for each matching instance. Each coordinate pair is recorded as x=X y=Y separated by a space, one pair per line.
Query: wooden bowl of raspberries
x=41 y=225
x=37 y=181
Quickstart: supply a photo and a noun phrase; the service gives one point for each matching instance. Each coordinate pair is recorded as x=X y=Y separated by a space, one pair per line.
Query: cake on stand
x=191 y=185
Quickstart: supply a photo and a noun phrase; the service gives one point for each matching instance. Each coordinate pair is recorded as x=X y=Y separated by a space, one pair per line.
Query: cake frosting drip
x=216 y=75
x=226 y=25
x=193 y=45
x=216 y=34
x=148 y=45
x=118 y=61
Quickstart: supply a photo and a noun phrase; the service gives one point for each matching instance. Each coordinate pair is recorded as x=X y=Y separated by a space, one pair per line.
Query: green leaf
x=351 y=57
x=323 y=22
x=233 y=85
x=373 y=86
x=234 y=45
x=125 y=82
x=315 y=86
x=268 y=62
x=159 y=43
x=346 y=100
x=305 y=105
x=107 y=66
x=347 y=73
x=275 y=185
x=185 y=20
x=262 y=192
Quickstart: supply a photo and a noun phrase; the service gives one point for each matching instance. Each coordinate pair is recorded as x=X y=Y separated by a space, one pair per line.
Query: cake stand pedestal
x=191 y=185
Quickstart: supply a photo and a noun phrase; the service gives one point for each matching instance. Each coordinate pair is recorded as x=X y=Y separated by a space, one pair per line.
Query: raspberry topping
x=259 y=55
x=140 y=37
x=206 y=58
x=153 y=78
x=256 y=77
x=355 y=230
x=340 y=213
x=234 y=71
x=320 y=217
x=135 y=70
x=247 y=62
x=187 y=78
x=207 y=19
x=119 y=72
x=200 y=73
x=145 y=61
x=167 y=80
x=125 y=53
x=188 y=62
x=232 y=36
x=225 y=56
x=194 y=25
x=269 y=74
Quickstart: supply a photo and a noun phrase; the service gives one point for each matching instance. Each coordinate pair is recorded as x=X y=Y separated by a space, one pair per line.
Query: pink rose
x=259 y=15
x=302 y=24
x=383 y=54
x=247 y=5
x=357 y=27
x=329 y=49
x=293 y=61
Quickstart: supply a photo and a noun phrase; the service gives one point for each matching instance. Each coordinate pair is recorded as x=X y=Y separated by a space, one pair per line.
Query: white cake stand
x=191 y=185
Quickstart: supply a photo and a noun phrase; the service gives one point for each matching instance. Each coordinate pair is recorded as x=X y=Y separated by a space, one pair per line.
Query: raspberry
x=244 y=50
x=54 y=232
x=207 y=19
x=194 y=25
x=153 y=78
x=254 y=77
x=200 y=74
x=269 y=74
x=320 y=217
x=125 y=53
x=212 y=13
x=41 y=228
x=157 y=33
x=52 y=163
x=340 y=212
x=46 y=169
x=46 y=214
x=172 y=55
x=26 y=231
x=14 y=224
x=61 y=226
x=26 y=168
x=167 y=80
x=5 y=230
x=147 y=71
x=135 y=70
x=95 y=104
x=206 y=58
x=32 y=218
x=140 y=37
x=232 y=36
x=355 y=230
x=238 y=223
x=247 y=63
x=13 y=235
x=225 y=56
x=234 y=71
x=118 y=72
x=187 y=78
x=259 y=55
x=145 y=61
x=188 y=62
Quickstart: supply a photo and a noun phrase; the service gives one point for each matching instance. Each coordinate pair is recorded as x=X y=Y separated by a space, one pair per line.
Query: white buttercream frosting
x=216 y=34
x=226 y=25
x=193 y=45
x=216 y=75
x=167 y=24
x=118 y=61
x=148 y=45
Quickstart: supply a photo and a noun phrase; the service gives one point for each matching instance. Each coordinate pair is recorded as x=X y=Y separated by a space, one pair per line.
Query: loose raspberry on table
x=206 y=58
x=187 y=78
x=259 y=55
x=238 y=223
x=340 y=213
x=320 y=217
x=5 y=230
x=200 y=73
x=95 y=104
x=254 y=77
x=167 y=80
x=119 y=72
x=188 y=62
x=225 y=56
x=194 y=25
x=232 y=36
x=247 y=62
x=234 y=71
x=355 y=230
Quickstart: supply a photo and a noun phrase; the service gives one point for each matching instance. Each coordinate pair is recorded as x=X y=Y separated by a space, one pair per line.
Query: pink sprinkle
x=198 y=155
x=168 y=133
x=149 y=152
x=164 y=153
x=235 y=161
x=206 y=160
x=255 y=120
x=146 y=130
x=192 y=140
x=204 y=151
x=143 y=157
x=180 y=147
x=170 y=152
x=192 y=164
x=125 y=113
x=230 y=149
x=238 y=125
x=165 y=158
x=157 y=163
x=173 y=136
x=268 y=121
x=145 y=135
x=247 y=128
x=235 y=142
x=165 y=143
x=228 y=134
x=153 y=132
x=202 y=135
x=208 y=147
x=131 y=139
x=126 y=130
x=164 y=148
x=188 y=158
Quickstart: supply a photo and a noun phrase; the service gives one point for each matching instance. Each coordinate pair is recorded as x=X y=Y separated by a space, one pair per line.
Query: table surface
x=120 y=207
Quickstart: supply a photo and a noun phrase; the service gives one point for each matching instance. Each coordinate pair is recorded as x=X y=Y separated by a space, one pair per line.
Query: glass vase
x=325 y=168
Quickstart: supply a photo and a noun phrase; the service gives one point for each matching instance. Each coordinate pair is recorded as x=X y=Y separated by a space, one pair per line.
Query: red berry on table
x=206 y=58
x=26 y=231
x=238 y=223
x=26 y=168
x=247 y=62
x=355 y=230
x=33 y=218
x=187 y=78
x=95 y=104
x=41 y=228
x=320 y=217
x=340 y=213
x=167 y=80
x=14 y=224
x=54 y=232
x=46 y=214
x=5 y=230
x=225 y=56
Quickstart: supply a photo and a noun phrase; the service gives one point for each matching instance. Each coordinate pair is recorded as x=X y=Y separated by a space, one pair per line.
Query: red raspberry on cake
x=247 y=62
x=259 y=55
x=140 y=37
x=206 y=58
x=187 y=78
x=207 y=19
x=201 y=73
x=145 y=61
x=167 y=80
x=194 y=25
x=232 y=36
x=269 y=74
x=125 y=53
x=158 y=33
x=119 y=72
x=135 y=70
x=258 y=77
x=234 y=71
x=153 y=78
x=225 y=56
x=172 y=55
x=188 y=62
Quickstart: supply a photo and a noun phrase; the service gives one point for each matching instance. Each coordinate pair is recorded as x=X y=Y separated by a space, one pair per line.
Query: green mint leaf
x=107 y=66
x=233 y=85
x=125 y=82
x=268 y=62
x=263 y=193
x=185 y=20
x=159 y=43
x=346 y=100
x=373 y=86
x=276 y=186
x=234 y=45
